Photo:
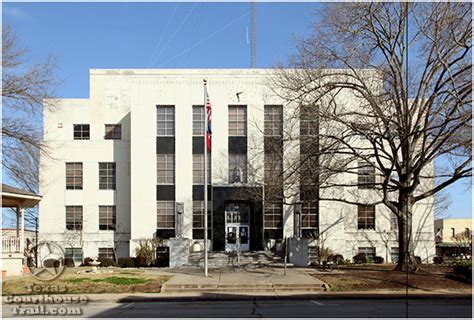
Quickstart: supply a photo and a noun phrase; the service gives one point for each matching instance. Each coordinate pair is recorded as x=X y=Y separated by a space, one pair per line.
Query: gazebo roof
x=13 y=197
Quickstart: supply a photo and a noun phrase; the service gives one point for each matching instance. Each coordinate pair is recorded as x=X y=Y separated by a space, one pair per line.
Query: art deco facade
x=124 y=161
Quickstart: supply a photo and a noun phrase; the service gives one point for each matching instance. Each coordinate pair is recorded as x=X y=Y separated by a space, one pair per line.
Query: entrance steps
x=251 y=259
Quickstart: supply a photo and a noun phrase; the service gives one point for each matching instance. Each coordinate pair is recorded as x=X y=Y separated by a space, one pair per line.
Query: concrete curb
x=262 y=296
x=294 y=297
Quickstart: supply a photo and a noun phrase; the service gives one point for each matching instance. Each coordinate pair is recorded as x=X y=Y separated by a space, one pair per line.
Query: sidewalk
x=243 y=284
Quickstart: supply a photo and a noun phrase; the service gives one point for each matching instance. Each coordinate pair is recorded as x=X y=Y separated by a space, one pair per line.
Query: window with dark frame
x=309 y=215
x=107 y=217
x=74 y=176
x=198 y=169
x=106 y=253
x=394 y=254
x=369 y=252
x=113 y=132
x=273 y=120
x=165 y=172
x=365 y=217
x=74 y=217
x=198 y=215
x=366 y=176
x=273 y=215
x=309 y=121
x=73 y=253
x=107 y=176
x=165 y=214
x=165 y=120
x=198 y=120
x=237 y=120
x=81 y=132
x=393 y=222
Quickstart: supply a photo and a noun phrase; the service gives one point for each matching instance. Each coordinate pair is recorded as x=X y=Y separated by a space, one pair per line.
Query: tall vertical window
x=273 y=169
x=106 y=253
x=113 y=132
x=73 y=175
x=273 y=215
x=273 y=120
x=237 y=120
x=165 y=214
x=165 y=168
x=394 y=253
x=74 y=217
x=366 y=176
x=165 y=120
x=365 y=216
x=237 y=168
x=453 y=232
x=198 y=120
x=107 y=217
x=81 y=132
x=308 y=121
x=198 y=168
x=309 y=215
x=393 y=222
x=107 y=175
x=198 y=214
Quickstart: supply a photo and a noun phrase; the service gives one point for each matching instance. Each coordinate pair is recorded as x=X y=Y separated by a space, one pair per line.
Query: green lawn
x=120 y=281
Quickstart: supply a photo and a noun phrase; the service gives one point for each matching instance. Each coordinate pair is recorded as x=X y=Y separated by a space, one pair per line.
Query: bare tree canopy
x=25 y=86
x=391 y=86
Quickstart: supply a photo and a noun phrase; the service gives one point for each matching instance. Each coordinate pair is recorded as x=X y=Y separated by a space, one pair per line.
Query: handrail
x=11 y=245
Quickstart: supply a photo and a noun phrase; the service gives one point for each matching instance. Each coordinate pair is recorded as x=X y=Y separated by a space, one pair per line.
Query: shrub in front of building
x=87 y=262
x=378 y=260
x=464 y=269
x=438 y=260
x=127 y=262
x=107 y=262
x=336 y=259
x=359 y=258
x=69 y=262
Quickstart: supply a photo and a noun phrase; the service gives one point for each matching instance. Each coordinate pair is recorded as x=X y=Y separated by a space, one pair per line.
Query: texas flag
x=209 y=120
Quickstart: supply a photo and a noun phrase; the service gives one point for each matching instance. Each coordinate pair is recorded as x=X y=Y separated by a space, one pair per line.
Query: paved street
x=256 y=308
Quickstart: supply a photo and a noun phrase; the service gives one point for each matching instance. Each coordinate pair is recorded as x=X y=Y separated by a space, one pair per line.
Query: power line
x=205 y=38
x=176 y=31
x=162 y=36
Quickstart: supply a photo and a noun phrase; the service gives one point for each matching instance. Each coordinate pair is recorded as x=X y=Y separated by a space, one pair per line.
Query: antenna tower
x=253 y=35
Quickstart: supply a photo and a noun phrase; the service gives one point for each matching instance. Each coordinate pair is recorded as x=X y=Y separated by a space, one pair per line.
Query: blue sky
x=165 y=35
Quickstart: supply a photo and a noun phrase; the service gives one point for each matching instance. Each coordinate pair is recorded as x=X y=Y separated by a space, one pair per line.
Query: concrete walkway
x=236 y=280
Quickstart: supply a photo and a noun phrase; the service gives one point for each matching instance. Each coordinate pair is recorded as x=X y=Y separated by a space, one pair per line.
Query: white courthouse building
x=123 y=160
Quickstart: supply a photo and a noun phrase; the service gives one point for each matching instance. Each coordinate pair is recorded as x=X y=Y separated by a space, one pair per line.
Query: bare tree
x=391 y=86
x=25 y=87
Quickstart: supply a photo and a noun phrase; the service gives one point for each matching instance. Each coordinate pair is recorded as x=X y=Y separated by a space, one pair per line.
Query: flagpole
x=205 y=179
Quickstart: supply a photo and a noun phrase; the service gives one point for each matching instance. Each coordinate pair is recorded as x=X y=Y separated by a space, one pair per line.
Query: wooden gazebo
x=13 y=248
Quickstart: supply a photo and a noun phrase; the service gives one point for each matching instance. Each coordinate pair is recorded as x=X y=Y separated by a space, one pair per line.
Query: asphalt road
x=268 y=309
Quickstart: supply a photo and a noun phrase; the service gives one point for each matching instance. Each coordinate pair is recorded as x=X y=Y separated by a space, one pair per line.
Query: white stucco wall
x=130 y=97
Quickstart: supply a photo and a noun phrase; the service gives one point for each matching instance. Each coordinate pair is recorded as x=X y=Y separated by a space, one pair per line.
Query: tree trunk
x=406 y=254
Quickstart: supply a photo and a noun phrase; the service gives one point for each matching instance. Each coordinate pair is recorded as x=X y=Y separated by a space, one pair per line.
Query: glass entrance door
x=237 y=227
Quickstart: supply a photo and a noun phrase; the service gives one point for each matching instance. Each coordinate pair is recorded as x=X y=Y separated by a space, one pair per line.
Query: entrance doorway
x=237 y=226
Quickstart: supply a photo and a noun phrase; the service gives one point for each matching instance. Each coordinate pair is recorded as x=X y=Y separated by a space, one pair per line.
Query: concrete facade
x=129 y=98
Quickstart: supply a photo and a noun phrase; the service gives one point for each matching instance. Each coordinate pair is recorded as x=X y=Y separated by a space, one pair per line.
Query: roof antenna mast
x=253 y=35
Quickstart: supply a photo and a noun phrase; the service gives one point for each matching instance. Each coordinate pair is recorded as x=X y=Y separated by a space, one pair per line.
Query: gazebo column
x=18 y=221
x=22 y=235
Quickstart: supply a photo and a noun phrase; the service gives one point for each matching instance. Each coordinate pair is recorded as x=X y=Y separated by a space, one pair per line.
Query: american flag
x=209 y=121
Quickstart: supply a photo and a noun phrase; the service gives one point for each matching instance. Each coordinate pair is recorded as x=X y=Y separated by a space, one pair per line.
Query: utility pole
x=253 y=35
